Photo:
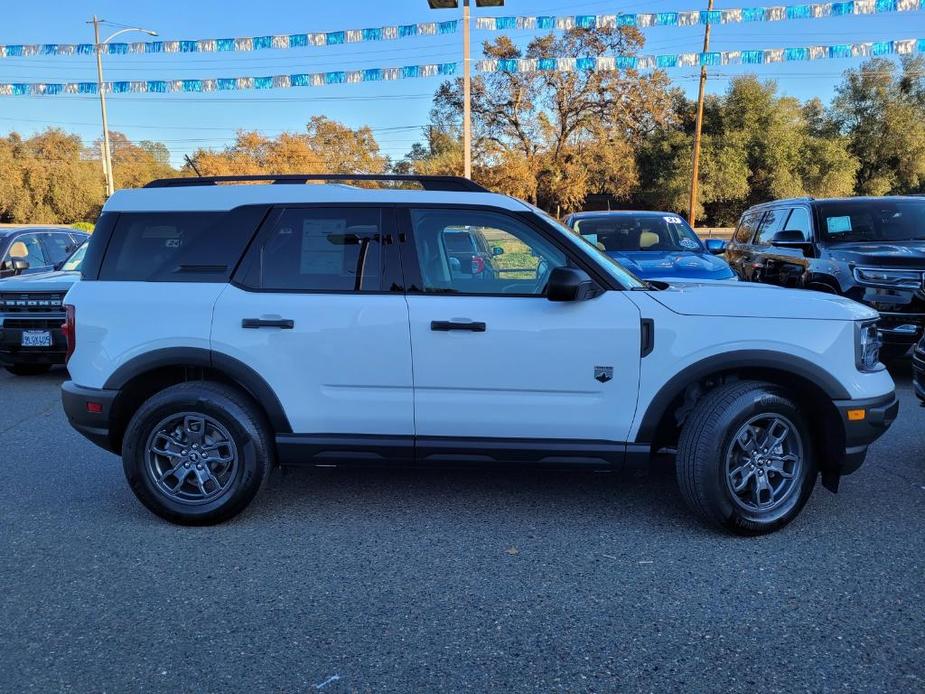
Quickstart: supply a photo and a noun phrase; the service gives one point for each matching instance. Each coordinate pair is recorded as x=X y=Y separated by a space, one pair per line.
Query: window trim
x=388 y=256
x=411 y=263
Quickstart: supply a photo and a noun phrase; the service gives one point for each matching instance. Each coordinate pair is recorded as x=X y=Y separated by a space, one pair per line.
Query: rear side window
x=319 y=249
x=747 y=226
x=178 y=246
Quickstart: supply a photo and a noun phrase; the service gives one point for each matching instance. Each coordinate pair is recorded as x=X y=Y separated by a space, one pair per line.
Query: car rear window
x=178 y=246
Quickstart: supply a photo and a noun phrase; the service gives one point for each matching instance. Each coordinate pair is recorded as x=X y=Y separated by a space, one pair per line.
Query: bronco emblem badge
x=603 y=373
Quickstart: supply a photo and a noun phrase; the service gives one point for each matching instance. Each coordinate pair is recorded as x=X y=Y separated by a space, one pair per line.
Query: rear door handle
x=281 y=323
x=446 y=326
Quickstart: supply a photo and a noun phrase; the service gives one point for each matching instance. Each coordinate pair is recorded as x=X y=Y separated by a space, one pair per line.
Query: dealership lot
x=400 y=581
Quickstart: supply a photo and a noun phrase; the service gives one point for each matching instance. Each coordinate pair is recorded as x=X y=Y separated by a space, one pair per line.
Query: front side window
x=772 y=223
x=643 y=232
x=884 y=220
x=320 y=249
x=800 y=221
x=28 y=247
x=73 y=263
x=487 y=253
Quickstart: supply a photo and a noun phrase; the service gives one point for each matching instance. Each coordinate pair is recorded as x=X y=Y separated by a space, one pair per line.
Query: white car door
x=496 y=364
x=310 y=313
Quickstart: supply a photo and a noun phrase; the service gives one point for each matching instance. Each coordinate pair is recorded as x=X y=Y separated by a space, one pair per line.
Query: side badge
x=603 y=373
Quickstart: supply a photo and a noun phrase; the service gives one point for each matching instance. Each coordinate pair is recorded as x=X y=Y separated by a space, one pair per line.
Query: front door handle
x=446 y=326
x=281 y=323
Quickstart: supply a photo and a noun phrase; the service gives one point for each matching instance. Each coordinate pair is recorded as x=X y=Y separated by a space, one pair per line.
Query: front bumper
x=864 y=421
x=95 y=426
x=11 y=349
x=918 y=375
x=901 y=329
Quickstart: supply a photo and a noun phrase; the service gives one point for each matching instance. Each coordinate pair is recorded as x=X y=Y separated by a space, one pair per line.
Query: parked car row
x=218 y=330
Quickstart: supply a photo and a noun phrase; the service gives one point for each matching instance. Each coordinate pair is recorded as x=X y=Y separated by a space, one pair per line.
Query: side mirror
x=18 y=264
x=570 y=284
x=716 y=246
x=497 y=250
x=789 y=236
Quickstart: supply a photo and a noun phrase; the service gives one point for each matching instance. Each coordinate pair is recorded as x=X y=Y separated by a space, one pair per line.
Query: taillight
x=478 y=265
x=69 y=327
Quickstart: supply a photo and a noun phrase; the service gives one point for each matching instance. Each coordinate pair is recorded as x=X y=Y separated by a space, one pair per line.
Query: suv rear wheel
x=197 y=453
x=745 y=458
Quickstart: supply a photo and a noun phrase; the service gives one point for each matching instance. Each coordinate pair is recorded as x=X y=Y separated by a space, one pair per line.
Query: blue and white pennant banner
x=619 y=62
x=245 y=44
x=222 y=84
x=740 y=15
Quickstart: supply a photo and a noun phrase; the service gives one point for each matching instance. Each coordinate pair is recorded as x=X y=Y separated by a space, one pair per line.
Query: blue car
x=653 y=245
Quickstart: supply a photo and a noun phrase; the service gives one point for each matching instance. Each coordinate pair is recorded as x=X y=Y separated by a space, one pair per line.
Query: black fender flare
x=236 y=370
x=731 y=362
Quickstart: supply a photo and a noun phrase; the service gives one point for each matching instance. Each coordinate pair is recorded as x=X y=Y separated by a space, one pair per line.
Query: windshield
x=873 y=220
x=620 y=273
x=72 y=264
x=644 y=232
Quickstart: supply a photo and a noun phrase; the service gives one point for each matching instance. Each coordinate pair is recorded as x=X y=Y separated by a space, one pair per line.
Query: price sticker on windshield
x=689 y=243
x=672 y=220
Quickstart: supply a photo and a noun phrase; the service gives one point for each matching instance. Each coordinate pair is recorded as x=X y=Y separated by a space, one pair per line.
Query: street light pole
x=104 y=152
x=698 y=127
x=105 y=149
x=467 y=94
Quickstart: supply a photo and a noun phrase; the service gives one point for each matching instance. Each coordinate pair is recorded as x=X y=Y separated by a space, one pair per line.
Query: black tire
x=28 y=369
x=709 y=453
x=230 y=412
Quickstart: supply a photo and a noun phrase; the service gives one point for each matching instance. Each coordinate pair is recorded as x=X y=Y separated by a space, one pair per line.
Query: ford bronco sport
x=220 y=330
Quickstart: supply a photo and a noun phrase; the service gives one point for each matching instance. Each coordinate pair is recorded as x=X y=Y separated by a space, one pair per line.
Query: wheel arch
x=141 y=377
x=811 y=385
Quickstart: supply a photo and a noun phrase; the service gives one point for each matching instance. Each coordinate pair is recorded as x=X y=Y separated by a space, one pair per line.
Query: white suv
x=220 y=330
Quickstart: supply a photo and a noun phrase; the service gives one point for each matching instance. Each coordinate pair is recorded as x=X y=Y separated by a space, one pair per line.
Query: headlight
x=888 y=279
x=867 y=346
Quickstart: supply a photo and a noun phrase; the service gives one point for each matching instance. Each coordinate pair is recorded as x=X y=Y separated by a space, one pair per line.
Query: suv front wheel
x=197 y=453
x=745 y=458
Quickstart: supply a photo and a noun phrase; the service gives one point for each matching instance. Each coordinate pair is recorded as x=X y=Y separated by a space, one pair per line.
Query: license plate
x=36 y=338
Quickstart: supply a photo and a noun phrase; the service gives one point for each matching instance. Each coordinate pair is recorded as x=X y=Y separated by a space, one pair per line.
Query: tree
x=326 y=146
x=882 y=114
x=565 y=134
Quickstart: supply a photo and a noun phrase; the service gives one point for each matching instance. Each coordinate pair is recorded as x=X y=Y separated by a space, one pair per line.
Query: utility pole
x=698 y=126
x=105 y=153
x=467 y=94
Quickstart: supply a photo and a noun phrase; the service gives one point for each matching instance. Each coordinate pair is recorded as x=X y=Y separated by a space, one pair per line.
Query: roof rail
x=455 y=184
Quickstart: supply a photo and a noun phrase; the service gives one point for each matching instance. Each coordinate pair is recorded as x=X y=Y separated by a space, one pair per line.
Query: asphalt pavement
x=411 y=581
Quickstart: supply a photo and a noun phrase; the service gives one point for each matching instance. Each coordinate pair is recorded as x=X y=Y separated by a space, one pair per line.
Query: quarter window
x=747 y=226
x=474 y=252
x=320 y=249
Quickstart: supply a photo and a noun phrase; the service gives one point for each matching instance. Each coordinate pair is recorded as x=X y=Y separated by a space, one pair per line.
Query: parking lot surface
x=340 y=580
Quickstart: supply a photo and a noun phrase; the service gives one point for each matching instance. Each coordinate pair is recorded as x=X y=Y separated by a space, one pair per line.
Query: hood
x=752 y=300
x=910 y=254
x=40 y=282
x=698 y=265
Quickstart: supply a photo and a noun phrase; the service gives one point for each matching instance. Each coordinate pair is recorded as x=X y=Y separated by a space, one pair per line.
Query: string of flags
x=618 y=62
x=238 y=45
x=775 y=13
x=740 y=15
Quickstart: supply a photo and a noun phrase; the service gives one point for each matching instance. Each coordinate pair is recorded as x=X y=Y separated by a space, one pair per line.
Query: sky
x=395 y=110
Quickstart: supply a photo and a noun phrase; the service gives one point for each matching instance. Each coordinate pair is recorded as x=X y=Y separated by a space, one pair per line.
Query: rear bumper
x=95 y=426
x=861 y=431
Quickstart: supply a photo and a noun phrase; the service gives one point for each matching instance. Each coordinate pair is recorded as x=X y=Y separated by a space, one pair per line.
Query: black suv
x=871 y=250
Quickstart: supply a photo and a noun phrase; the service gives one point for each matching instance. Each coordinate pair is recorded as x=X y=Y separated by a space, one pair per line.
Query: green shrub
x=84 y=226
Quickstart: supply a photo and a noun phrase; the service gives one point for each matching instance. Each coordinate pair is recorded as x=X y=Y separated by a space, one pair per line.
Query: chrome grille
x=31 y=302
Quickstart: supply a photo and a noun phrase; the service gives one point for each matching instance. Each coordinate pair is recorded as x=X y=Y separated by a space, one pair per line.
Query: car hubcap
x=191 y=458
x=764 y=462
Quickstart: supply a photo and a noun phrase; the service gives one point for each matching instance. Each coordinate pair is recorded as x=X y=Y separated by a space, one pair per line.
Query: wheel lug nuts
x=185 y=464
